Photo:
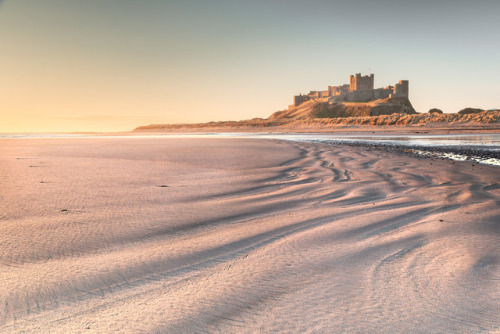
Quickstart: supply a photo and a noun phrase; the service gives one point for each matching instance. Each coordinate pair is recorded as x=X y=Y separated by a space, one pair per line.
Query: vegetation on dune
x=485 y=117
x=467 y=111
x=393 y=111
x=435 y=111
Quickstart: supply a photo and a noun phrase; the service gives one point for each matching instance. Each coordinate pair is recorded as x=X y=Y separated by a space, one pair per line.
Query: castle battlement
x=359 y=89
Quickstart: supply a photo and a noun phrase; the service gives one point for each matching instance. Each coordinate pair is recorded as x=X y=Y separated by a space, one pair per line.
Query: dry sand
x=241 y=235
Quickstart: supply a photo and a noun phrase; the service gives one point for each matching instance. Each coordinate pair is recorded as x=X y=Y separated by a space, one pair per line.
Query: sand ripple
x=232 y=235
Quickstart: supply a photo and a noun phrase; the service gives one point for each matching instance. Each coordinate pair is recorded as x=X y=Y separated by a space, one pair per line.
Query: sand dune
x=241 y=235
x=300 y=119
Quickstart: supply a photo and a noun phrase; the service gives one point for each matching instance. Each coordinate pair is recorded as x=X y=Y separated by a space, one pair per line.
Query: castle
x=360 y=89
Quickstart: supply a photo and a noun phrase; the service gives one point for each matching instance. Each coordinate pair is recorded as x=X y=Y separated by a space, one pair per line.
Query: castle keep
x=359 y=89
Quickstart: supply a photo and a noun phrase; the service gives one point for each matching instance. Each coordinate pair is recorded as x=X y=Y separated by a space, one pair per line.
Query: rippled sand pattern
x=239 y=235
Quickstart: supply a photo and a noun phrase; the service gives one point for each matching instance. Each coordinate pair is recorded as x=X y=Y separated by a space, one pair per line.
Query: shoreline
x=430 y=128
x=460 y=152
x=466 y=153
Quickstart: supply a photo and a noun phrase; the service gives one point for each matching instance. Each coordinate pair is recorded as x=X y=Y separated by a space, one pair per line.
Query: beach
x=239 y=235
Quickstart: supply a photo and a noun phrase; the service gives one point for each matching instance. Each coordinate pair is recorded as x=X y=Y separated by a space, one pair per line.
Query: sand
x=169 y=235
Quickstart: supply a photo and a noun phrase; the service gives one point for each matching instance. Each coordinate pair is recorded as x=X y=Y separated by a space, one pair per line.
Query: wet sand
x=244 y=235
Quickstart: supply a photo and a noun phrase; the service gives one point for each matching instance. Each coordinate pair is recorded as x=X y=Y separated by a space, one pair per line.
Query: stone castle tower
x=401 y=88
x=359 y=82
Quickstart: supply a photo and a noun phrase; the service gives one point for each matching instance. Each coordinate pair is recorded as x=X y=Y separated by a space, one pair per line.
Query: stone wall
x=382 y=93
x=338 y=90
x=299 y=99
x=360 y=96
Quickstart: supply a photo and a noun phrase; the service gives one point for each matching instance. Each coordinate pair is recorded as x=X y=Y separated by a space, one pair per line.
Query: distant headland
x=355 y=104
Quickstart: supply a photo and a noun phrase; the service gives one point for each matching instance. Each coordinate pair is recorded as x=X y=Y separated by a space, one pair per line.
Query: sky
x=113 y=65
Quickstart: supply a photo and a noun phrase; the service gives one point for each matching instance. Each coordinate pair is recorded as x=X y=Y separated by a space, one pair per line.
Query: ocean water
x=481 y=148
